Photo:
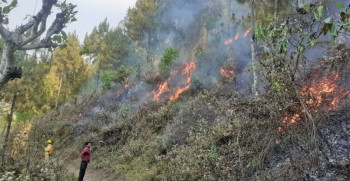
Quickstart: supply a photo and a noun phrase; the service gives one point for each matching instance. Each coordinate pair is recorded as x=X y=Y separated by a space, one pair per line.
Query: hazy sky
x=90 y=13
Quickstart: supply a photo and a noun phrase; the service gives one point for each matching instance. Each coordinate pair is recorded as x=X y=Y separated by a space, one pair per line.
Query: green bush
x=107 y=78
x=122 y=74
x=167 y=61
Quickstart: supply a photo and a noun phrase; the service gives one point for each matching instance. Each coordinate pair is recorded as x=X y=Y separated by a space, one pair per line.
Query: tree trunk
x=7 y=65
x=9 y=122
x=229 y=32
x=98 y=75
x=253 y=52
x=276 y=8
x=149 y=60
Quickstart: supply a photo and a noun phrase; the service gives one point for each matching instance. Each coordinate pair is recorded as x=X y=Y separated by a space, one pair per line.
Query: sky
x=90 y=13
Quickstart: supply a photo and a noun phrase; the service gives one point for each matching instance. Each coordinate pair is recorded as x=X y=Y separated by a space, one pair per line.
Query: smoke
x=200 y=30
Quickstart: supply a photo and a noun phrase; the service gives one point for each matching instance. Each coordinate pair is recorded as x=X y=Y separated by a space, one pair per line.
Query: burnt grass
x=204 y=135
x=212 y=135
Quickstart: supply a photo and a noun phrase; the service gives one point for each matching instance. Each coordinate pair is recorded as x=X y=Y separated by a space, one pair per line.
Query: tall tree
x=68 y=71
x=19 y=40
x=114 y=48
x=140 y=20
x=94 y=45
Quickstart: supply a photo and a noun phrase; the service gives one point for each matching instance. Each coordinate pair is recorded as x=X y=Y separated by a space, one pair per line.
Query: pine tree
x=68 y=72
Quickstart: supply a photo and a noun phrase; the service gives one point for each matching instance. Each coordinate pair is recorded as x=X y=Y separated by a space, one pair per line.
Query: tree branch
x=45 y=11
x=35 y=33
x=6 y=34
x=41 y=44
x=56 y=26
x=40 y=19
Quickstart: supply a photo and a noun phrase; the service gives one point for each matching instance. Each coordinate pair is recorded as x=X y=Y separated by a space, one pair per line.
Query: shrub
x=167 y=61
x=107 y=78
x=122 y=74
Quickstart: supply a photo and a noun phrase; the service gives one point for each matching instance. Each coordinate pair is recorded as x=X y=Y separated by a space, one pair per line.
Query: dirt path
x=91 y=174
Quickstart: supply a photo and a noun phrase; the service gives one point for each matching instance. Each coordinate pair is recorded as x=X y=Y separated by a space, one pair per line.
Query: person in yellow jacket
x=48 y=150
x=16 y=145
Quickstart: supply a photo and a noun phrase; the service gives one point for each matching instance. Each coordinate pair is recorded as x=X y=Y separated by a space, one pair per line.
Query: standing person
x=85 y=159
x=48 y=150
x=15 y=149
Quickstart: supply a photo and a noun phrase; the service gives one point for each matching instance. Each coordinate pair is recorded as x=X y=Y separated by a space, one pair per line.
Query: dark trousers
x=83 y=167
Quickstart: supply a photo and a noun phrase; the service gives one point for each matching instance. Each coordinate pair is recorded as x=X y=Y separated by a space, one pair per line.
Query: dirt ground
x=91 y=174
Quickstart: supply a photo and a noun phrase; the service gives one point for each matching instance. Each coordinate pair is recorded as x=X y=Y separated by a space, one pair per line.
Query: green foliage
x=114 y=48
x=141 y=19
x=52 y=80
x=107 y=78
x=26 y=115
x=5 y=10
x=68 y=72
x=124 y=111
x=213 y=152
x=286 y=42
x=122 y=74
x=69 y=10
x=109 y=48
x=167 y=61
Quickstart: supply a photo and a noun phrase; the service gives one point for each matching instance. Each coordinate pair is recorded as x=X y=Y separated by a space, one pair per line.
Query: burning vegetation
x=320 y=96
x=178 y=82
x=228 y=71
x=246 y=33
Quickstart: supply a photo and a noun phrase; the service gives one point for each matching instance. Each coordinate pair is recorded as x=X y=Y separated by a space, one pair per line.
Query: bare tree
x=9 y=123
x=31 y=36
x=253 y=52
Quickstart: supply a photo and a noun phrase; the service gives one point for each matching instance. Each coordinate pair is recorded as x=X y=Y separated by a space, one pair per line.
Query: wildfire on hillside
x=231 y=40
x=322 y=94
x=120 y=92
x=178 y=82
x=75 y=117
x=237 y=37
x=228 y=71
x=246 y=33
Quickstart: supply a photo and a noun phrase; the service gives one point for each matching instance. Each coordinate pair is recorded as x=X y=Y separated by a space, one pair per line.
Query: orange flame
x=322 y=94
x=237 y=36
x=161 y=89
x=77 y=116
x=229 y=41
x=289 y=120
x=228 y=71
x=174 y=92
x=126 y=86
x=246 y=33
x=119 y=93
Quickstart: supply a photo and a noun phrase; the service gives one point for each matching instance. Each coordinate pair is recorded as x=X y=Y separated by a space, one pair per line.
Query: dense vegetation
x=172 y=94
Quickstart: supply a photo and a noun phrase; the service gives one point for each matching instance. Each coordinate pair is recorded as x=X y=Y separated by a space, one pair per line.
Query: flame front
x=237 y=37
x=75 y=117
x=246 y=33
x=322 y=95
x=228 y=71
x=178 y=82
x=231 y=40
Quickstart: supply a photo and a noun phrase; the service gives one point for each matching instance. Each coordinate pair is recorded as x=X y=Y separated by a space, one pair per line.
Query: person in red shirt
x=85 y=159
